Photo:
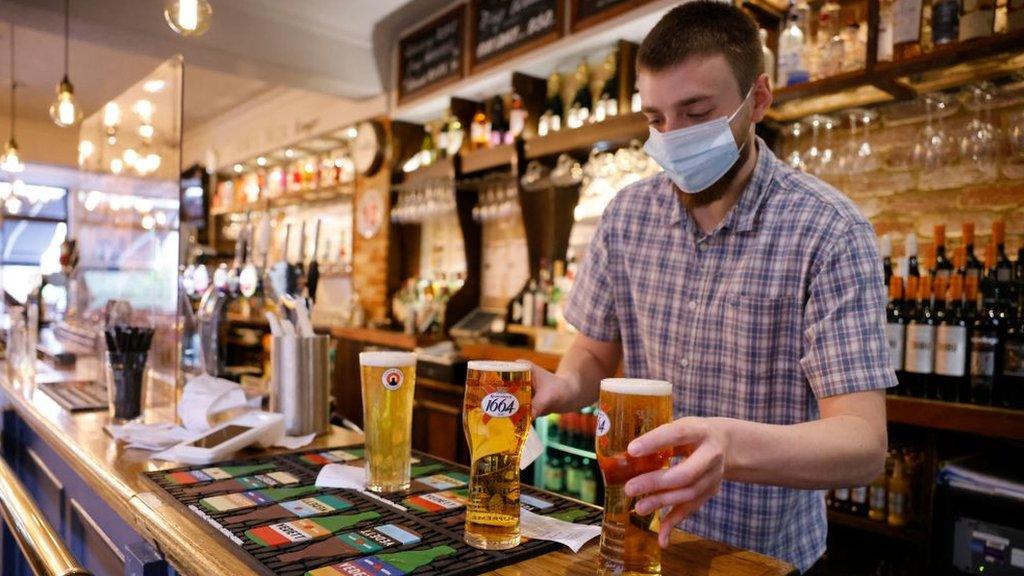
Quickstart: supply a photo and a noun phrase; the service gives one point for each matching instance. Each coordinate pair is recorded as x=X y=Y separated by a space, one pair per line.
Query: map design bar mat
x=269 y=510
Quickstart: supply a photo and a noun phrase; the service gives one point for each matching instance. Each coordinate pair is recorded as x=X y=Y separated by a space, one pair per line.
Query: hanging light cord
x=14 y=85
x=67 y=34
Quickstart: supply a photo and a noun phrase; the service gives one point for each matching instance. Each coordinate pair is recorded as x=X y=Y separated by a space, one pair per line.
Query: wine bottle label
x=445 y=481
x=533 y=503
x=1013 y=358
x=896 y=335
x=920 y=349
x=435 y=502
x=331 y=457
x=951 y=350
x=907 y=21
x=316 y=505
x=983 y=355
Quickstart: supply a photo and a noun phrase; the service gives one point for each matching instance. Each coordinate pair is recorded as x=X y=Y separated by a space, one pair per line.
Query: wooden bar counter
x=114 y=524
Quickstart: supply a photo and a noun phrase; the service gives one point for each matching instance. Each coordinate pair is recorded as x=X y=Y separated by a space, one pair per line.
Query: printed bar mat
x=281 y=524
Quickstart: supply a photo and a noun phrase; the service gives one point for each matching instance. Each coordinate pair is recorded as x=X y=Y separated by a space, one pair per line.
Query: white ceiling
x=252 y=47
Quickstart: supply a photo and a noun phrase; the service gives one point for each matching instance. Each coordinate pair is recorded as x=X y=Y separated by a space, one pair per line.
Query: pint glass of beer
x=629 y=408
x=389 y=380
x=496 y=418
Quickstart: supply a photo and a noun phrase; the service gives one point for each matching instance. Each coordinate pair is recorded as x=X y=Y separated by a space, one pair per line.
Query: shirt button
x=684 y=362
x=692 y=305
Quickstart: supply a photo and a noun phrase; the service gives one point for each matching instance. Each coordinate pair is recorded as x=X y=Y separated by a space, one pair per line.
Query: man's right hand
x=549 y=391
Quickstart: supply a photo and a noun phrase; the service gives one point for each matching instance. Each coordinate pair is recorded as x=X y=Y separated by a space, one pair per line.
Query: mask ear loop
x=740 y=107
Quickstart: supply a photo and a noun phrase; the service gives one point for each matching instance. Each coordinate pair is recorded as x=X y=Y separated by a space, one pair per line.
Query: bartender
x=755 y=289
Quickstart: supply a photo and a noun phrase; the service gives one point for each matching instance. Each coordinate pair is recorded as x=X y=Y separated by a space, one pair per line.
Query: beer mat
x=80 y=396
x=269 y=510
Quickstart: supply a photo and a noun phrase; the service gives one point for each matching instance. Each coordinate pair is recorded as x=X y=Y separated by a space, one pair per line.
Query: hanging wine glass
x=791 y=135
x=935 y=151
x=820 y=157
x=1013 y=166
x=979 y=140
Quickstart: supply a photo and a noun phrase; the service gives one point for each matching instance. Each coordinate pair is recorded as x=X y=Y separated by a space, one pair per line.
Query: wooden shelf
x=443 y=168
x=943 y=67
x=614 y=130
x=981 y=420
x=912 y=534
x=488 y=158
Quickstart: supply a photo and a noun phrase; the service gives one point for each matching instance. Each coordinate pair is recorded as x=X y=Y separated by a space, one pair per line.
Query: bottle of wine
x=551 y=120
x=973 y=266
x=943 y=267
x=608 y=103
x=987 y=333
x=859 y=500
x=480 y=131
x=767 y=54
x=899 y=494
x=951 y=345
x=885 y=29
x=1002 y=269
x=945 y=21
x=841 y=499
x=1010 y=388
x=554 y=472
x=920 y=360
x=913 y=268
x=885 y=250
x=908 y=20
x=583 y=101
x=896 y=327
x=516 y=118
x=499 y=128
x=876 y=498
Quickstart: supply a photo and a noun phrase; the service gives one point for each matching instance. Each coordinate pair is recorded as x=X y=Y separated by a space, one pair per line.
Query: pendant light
x=188 y=17
x=11 y=160
x=65 y=111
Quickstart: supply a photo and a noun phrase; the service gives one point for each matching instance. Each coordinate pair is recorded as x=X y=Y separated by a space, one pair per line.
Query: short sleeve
x=590 y=307
x=844 y=319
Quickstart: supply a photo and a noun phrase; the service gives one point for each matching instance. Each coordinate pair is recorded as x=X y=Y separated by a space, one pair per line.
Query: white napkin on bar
x=538 y=527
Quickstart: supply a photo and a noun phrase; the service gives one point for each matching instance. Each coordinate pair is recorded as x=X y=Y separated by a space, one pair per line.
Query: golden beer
x=629 y=408
x=496 y=418
x=389 y=381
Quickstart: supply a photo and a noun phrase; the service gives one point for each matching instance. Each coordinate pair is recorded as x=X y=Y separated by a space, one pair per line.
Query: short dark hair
x=705 y=28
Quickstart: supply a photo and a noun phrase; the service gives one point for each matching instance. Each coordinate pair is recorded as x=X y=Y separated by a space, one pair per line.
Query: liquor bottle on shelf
x=951 y=367
x=896 y=328
x=913 y=268
x=572 y=475
x=977 y=19
x=769 y=56
x=528 y=304
x=945 y=21
x=970 y=312
x=480 y=131
x=841 y=499
x=554 y=472
x=454 y=135
x=908 y=19
x=540 y=302
x=943 y=267
x=1002 y=269
x=920 y=358
x=877 y=494
x=987 y=332
x=885 y=249
x=832 y=44
x=973 y=266
x=551 y=120
x=588 y=482
x=517 y=116
x=855 y=39
x=1009 y=391
x=1018 y=265
x=792 y=69
x=428 y=150
x=899 y=494
x=859 y=500
x=499 y=129
x=608 y=103
x=583 y=101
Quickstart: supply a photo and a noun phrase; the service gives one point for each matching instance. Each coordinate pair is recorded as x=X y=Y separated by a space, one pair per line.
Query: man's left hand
x=686 y=486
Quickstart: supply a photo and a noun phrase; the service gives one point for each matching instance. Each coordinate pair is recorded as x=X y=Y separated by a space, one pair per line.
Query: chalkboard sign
x=433 y=54
x=589 y=12
x=503 y=27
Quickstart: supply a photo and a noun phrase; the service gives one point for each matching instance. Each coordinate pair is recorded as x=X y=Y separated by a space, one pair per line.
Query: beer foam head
x=389 y=359
x=637 y=386
x=496 y=366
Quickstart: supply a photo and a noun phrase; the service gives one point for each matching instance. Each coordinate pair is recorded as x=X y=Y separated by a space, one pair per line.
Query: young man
x=754 y=289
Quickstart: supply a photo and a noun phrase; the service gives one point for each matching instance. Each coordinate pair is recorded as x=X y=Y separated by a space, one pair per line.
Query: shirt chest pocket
x=760 y=337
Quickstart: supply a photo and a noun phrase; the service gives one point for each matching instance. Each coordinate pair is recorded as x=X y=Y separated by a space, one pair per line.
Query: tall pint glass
x=629 y=408
x=389 y=381
x=496 y=418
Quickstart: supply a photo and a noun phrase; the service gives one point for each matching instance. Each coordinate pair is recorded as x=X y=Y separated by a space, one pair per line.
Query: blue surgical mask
x=698 y=156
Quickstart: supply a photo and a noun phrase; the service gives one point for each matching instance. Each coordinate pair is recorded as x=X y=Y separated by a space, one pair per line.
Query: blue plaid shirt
x=782 y=304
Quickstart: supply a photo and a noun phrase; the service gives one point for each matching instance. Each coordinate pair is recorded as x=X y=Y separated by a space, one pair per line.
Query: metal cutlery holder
x=300 y=383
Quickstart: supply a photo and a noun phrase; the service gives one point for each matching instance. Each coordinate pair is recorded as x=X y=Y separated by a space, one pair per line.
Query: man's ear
x=761 y=98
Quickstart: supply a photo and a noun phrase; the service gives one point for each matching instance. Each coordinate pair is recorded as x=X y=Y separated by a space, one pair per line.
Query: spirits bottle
x=792 y=68
x=480 y=131
x=516 y=118
x=833 y=46
x=551 y=120
x=945 y=21
x=499 y=128
x=885 y=30
x=583 y=101
x=906 y=34
x=769 y=56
